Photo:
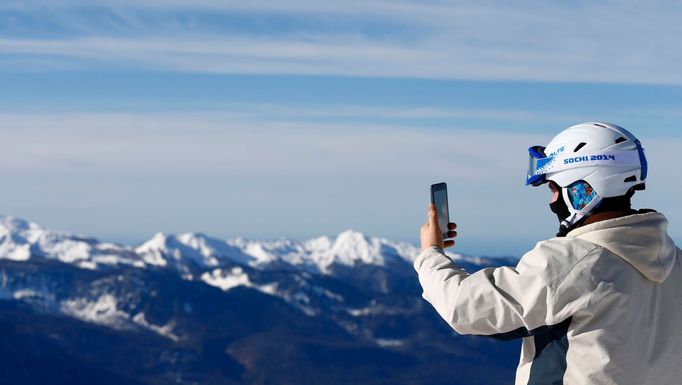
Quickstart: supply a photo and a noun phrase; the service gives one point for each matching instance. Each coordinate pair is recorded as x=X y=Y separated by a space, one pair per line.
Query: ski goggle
x=537 y=161
x=540 y=164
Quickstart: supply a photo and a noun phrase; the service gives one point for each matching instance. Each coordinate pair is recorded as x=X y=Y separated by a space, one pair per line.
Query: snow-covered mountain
x=198 y=301
x=366 y=262
x=21 y=240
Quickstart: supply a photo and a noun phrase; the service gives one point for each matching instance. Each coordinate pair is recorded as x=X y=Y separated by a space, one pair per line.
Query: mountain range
x=194 y=309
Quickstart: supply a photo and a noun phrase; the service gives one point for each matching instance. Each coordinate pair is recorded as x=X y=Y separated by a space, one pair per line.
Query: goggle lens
x=536 y=155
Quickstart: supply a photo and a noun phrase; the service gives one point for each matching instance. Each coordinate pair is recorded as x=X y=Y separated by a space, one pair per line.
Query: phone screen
x=439 y=197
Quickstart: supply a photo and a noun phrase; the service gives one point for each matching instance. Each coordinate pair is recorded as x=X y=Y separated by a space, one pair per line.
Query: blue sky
x=301 y=118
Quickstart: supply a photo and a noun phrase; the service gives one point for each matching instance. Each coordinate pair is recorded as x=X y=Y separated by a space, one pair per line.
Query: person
x=600 y=303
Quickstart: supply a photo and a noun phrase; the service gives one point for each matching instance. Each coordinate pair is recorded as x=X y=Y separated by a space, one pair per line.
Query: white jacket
x=601 y=306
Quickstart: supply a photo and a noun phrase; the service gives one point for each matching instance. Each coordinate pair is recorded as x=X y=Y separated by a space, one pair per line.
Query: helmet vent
x=631 y=179
x=620 y=140
x=579 y=146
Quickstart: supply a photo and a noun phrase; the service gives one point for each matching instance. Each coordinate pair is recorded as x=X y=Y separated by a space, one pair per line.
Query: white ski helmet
x=608 y=158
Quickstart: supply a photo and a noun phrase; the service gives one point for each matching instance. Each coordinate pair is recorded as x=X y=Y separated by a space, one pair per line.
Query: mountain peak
x=352 y=236
x=151 y=251
x=197 y=248
x=16 y=237
x=17 y=224
x=352 y=246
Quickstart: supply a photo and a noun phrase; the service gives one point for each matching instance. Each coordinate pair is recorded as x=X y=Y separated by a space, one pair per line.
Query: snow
x=88 y=265
x=318 y=255
x=67 y=250
x=166 y=330
x=389 y=343
x=226 y=280
x=352 y=246
x=359 y=312
x=152 y=250
x=229 y=279
x=15 y=252
x=199 y=249
x=21 y=240
x=329 y=294
x=104 y=311
x=375 y=309
x=16 y=236
x=101 y=311
x=270 y=288
x=19 y=294
x=257 y=250
x=26 y=293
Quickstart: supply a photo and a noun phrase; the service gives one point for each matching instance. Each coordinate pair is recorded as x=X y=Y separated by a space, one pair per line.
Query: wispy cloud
x=230 y=172
x=613 y=41
x=235 y=144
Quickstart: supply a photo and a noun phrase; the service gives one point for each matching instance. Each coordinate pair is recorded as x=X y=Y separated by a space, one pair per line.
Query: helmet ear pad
x=575 y=203
x=580 y=194
x=572 y=199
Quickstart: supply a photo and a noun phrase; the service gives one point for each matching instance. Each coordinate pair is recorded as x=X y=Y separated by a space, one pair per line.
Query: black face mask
x=559 y=208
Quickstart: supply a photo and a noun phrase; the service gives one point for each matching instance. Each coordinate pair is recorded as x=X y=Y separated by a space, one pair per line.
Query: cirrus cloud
x=613 y=41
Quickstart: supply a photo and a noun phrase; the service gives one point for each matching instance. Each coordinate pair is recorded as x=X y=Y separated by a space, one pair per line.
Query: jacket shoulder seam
x=578 y=262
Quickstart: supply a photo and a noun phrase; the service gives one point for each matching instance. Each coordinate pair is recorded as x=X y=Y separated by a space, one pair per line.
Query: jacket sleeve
x=500 y=300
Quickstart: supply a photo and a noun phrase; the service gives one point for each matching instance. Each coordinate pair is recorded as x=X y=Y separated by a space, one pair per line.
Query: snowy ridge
x=195 y=248
x=349 y=248
x=21 y=240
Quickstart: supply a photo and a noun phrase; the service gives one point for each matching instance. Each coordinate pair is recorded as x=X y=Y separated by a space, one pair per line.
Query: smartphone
x=439 y=197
